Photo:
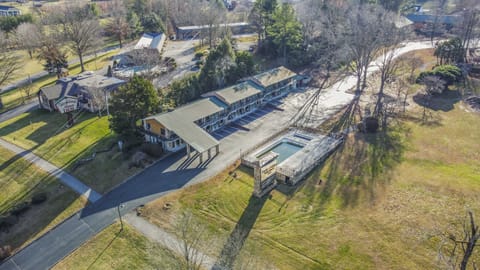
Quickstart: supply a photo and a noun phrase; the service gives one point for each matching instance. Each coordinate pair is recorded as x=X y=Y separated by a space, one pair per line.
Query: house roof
x=96 y=81
x=56 y=91
x=151 y=41
x=237 y=92
x=273 y=76
x=71 y=86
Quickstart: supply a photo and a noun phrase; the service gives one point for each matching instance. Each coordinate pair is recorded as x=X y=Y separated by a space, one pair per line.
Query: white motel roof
x=237 y=92
x=181 y=121
x=274 y=76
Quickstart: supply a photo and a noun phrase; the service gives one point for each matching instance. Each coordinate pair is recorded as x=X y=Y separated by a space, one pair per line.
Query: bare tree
x=27 y=90
x=309 y=13
x=191 y=234
x=468 y=28
x=81 y=30
x=457 y=250
x=387 y=65
x=211 y=15
x=118 y=25
x=412 y=63
x=51 y=52
x=368 y=30
x=433 y=85
x=99 y=98
x=402 y=91
x=28 y=36
x=327 y=47
x=9 y=63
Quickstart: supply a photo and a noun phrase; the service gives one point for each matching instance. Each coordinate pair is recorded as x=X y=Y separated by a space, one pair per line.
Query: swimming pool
x=284 y=150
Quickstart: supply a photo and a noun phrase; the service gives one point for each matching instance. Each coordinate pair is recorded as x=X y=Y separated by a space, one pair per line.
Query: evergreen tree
x=285 y=31
x=134 y=23
x=131 y=103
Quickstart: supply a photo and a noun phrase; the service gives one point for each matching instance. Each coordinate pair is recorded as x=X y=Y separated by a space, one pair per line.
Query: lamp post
x=120 y=215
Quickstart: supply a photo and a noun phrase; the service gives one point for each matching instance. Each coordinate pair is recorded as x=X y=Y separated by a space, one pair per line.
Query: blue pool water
x=284 y=150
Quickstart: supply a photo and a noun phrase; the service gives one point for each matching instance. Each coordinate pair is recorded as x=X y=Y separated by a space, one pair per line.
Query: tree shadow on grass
x=236 y=240
x=442 y=102
x=362 y=165
x=91 y=266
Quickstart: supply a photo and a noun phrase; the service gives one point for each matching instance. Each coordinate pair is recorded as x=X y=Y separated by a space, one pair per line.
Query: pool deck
x=315 y=149
x=302 y=162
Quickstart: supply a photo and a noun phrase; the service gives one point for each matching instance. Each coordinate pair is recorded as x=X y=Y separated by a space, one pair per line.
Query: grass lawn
x=19 y=181
x=16 y=97
x=45 y=134
x=115 y=249
x=383 y=202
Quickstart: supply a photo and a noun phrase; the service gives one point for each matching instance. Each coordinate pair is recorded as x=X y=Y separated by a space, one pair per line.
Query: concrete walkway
x=167 y=240
x=64 y=177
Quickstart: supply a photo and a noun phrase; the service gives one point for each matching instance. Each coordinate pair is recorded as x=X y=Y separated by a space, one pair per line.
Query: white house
x=151 y=41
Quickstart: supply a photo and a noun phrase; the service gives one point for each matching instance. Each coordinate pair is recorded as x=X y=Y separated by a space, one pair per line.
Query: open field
x=45 y=134
x=116 y=249
x=383 y=202
x=19 y=181
x=16 y=97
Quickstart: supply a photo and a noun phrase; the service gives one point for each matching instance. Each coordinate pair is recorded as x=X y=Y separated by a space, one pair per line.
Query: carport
x=195 y=138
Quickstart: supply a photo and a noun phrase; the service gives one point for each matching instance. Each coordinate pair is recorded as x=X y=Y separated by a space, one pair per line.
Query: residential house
x=83 y=91
x=190 y=125
x=9 y=11
x=151 y=41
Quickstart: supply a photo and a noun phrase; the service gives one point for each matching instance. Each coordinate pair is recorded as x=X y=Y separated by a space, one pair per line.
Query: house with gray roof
x=83 y=91
x=189 y=126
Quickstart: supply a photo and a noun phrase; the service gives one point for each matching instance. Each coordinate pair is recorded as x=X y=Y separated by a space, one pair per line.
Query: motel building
x=189 y=126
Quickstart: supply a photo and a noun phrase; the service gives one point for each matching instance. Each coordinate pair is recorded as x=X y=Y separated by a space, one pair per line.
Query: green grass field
x=46 y=135
x=115 y=249
x=19 y=181
x=383 y=202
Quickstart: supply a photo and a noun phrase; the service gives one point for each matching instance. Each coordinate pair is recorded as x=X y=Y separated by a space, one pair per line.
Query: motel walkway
x=174 y=173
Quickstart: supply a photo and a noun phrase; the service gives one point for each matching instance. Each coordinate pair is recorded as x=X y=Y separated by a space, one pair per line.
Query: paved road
x=175 y=172
x=64 y=177
x=29 y=106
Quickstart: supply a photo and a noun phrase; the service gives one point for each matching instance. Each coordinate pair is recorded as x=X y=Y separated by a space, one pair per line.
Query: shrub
x=371 y=124
x=152 y=149
x=20 y=208
x=448 y=73
x=7 y=221
x=5 y=252
x=199 y=54
x=39 y=198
